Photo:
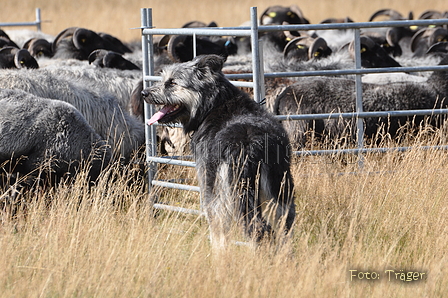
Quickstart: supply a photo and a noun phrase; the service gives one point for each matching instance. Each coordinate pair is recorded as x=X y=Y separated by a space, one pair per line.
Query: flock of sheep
x=77 y=96
x=66 y=103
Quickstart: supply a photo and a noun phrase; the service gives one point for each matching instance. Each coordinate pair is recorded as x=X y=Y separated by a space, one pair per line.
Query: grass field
x=388 y=222
x=117 y=17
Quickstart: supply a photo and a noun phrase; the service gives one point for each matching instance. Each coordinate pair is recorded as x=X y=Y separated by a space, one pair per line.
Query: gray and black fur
x=315 y=95
x=241 y=151
x=47 y=139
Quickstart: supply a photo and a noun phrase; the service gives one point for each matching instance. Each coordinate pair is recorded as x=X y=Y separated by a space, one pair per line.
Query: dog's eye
x=170 y=82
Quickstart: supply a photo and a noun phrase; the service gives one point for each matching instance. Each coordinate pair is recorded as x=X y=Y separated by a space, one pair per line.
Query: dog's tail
x=265 y=202
x=249 y=207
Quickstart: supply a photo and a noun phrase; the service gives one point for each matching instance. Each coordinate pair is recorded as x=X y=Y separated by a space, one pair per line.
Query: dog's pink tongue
x=159 y=115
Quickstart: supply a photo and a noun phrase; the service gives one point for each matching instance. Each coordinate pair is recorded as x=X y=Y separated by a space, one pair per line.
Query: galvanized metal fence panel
x=257 y=76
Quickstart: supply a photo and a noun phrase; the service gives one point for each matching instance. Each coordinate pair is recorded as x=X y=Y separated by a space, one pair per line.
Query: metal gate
x=257 y=76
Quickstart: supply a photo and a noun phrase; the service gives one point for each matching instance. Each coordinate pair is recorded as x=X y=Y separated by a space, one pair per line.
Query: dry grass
x=108 y=242
x=117 y=17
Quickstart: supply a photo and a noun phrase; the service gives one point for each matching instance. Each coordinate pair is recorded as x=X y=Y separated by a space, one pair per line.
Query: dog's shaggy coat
x=241 y=151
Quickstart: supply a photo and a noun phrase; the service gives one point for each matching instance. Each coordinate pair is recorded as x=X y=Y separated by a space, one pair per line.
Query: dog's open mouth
x=165 y=114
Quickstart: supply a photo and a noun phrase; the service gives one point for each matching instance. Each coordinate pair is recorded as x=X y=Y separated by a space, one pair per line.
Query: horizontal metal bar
x=245 y=30
x=19 y=24
x=236 y=83
x=171 y=161
x=212 y=31
x=177 y=209
x=174 y=125
x=176 y=185
x=152 y=78
x=362 y=114
x=366 y=150
x=237 y=76
x=179 y=157
x=353 y=25
x=243 y=84
x=361 y=71
x=248 y=76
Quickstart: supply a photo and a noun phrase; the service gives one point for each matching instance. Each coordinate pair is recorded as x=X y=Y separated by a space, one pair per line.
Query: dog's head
x=187 y=90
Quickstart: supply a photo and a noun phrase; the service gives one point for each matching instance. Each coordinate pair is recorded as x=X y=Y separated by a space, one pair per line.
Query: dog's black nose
x=145 y=93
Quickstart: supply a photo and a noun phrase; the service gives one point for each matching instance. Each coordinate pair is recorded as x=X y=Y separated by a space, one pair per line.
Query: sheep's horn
x=62 y=35
x=27 y=43
x=364 y=40
x=440 y=47
x=23 y=59
x=38 y=46
x=163 y=42
x=319 y=43
x=416 y=38
x=293 y=44
x=97 y=54
x=194 y=24
x=394 y=35
x=174 y=41
x=336 y=20
x=391 y=13
x=295 y=9
x=81 y=35
x=439 y=34
x=9 y=50
x=264 y=14
x=430 y=14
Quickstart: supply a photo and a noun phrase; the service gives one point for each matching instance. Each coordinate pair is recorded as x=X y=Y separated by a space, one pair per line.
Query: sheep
x=21 y=36
x=113 y=123
x=423 y=39
x=11 y=57
x=38 y=47
x=78 y=43
x=306 y=48
x=180 y=47
x=279 y=14
x=50 y=138
x=5 y=40
x=120 y=83
x=372 y=54
x=313 y=95
x=110 y=59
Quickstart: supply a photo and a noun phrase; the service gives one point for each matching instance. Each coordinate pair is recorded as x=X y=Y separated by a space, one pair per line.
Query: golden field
x=118 y=17
x=389 y=219
x=386 y=221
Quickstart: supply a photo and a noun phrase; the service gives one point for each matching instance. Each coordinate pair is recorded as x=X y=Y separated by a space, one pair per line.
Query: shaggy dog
x=241 y=151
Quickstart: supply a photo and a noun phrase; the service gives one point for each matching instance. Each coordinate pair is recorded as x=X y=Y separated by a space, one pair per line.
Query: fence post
x=148 y=70
x=257 y=70
x=194 y=45
x=38 y=20
x=358 y=87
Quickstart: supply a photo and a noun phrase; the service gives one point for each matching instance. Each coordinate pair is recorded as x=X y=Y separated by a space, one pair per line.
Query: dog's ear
x=214 y=62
